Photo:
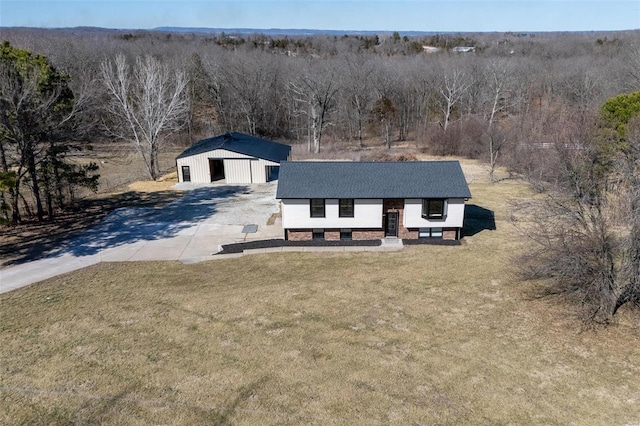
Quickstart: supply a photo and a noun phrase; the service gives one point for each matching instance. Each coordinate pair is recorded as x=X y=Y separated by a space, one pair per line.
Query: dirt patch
x=272 y=219
x=165 y=183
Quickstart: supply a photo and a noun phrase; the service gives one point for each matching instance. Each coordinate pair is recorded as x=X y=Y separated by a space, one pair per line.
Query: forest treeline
x=550 y=107
x=354 y=89
x=506 y=101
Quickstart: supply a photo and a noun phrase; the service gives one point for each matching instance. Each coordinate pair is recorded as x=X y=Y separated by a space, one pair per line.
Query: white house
x=372 y=200
x=232 y=158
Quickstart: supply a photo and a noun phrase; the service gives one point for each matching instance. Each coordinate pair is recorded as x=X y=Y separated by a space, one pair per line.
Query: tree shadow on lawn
x=477 y=219
x=115 y=221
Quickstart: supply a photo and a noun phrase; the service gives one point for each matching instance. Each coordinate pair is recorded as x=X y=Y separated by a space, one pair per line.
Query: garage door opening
x=216 y=169
x=272 y=172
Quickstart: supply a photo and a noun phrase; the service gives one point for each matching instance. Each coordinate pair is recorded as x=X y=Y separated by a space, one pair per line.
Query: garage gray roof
x=410 y=179
x=242 y=144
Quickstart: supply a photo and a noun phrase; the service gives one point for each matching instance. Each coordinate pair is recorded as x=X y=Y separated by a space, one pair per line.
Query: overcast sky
x=388 y=15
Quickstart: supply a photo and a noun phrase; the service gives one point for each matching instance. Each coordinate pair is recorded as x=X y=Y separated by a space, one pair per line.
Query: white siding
x=237 y=171
x=198 y=166
x=223 y=153
x=259 y=169
x=413 y=215
x=296 y=214
x=238 y=168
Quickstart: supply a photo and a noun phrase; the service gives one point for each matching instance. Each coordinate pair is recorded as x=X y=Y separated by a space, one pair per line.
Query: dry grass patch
x=429 y=335
x=165 y=183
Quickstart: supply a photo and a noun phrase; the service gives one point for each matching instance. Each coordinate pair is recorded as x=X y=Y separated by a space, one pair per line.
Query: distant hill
x=289 y=31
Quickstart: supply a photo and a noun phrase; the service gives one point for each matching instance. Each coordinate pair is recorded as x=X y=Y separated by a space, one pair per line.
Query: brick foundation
x=334 y=234
x=449 y=234
x=364 y=234
x=407 y=234
x=299 y=234
x=367 y=234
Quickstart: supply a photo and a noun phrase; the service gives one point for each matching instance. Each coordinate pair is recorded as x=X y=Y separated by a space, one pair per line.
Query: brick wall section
x=332 y=234
x=408 y=234
x=363 y=234
x=367 y=234
x=449 y=234
x=299 y=234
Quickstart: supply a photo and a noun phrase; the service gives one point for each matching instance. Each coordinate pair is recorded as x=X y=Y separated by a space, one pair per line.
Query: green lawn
x=429 y=335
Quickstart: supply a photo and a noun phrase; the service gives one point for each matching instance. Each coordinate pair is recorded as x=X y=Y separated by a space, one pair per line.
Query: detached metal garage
x=232 y=158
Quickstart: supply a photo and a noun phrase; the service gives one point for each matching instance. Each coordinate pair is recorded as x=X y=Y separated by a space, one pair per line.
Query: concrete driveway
x=189 y=229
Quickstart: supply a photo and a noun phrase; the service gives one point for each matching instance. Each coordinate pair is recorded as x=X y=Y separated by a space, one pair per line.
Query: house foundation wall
x=450 y=234
x=334 y=234
x=447 y=234
x=367 y=234
x=298 y=234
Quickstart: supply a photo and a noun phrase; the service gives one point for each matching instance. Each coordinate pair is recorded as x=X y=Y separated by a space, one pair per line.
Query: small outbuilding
x=232 y=158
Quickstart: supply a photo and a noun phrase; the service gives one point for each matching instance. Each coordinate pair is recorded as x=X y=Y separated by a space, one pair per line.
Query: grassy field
x=429 y=335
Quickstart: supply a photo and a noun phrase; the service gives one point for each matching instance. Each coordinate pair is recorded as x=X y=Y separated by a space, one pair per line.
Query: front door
x=391 y=225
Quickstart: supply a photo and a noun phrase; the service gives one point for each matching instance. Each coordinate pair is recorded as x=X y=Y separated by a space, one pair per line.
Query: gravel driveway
x=189 y=229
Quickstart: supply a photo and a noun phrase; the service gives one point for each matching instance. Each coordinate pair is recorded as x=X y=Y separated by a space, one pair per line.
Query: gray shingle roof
x=410 y=179
x=242 y=144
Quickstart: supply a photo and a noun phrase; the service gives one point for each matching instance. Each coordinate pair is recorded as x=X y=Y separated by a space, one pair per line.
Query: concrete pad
x=189 y=229
x=209 y=228
x=119 y=254
x=273 y=250
x=230 y=231
x=194 y=260
x=324 y=248
x=159 y=252
x=354 y=248
x=255 y=251
x=39 y=270
x=226 y=256
x=199 y=246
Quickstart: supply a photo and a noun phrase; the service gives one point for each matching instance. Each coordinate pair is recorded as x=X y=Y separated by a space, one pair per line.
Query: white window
x=434 y=208
x=430 y=233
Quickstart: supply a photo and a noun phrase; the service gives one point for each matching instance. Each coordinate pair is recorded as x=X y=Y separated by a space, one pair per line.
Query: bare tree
x=452 y=89
x=145 y=104
x=632 y=68
x=574 y=248
x=315 y=90
x=383 y=114
x=358 y=91
x=501 y=96
x=577 y=251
